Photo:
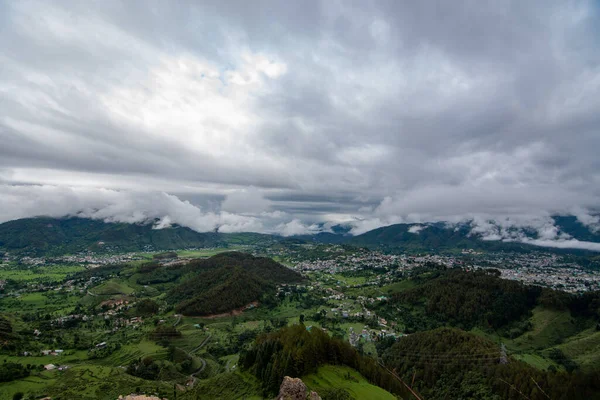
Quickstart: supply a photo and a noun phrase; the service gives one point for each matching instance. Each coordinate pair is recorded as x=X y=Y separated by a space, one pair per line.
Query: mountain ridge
x=46 y=236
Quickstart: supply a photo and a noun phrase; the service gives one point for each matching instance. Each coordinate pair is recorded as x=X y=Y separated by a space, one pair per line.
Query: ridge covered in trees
x=295 y=351
x=480 y=298
x=448 y=363
x=471 y=298
x=225 y=282
x=58 y=236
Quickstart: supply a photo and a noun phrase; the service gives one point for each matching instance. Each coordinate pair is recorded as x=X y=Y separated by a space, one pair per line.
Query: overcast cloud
x=273 y=116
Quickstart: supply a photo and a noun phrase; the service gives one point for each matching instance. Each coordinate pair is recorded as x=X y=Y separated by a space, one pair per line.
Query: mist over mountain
x=57 y=236
x=566 y=233
x=223 y=117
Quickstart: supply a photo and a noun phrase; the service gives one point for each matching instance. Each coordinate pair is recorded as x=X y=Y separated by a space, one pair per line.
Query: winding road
x=199 y=370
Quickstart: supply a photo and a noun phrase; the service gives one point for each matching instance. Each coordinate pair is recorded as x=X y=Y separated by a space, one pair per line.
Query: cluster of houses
x=56 y=352
x=542 y=269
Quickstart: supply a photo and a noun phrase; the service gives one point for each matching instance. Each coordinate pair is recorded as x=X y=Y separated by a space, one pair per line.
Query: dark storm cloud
x=321 y=110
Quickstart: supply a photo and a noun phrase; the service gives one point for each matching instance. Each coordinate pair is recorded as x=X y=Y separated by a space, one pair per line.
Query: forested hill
x=440 y=236
x=54 y=236
x=58 y=236
x=223 y=282
x=448 y=363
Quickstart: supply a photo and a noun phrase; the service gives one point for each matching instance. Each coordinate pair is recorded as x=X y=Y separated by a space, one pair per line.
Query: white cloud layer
x=158 y=208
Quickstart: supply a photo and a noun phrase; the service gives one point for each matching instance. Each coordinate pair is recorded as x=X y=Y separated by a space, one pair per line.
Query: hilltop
x=222 y=283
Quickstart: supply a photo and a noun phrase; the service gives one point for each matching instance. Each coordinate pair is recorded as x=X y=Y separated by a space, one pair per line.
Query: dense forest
x=448 y=363
x=445 y=363
x=224 y=282
x=480 y=298
x=295 y=351
x=56 y=236
x=8 y=337
x=468 y=299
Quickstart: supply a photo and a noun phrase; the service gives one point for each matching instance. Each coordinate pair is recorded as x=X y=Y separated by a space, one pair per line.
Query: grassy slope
x=550 y=327
x=233 y=385
x=52 y=273
x=111 y=287
x=334 y=377
x=584 y=348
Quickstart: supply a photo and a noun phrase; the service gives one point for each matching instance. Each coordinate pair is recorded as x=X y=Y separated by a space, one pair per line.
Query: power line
x=515 y=388
x=400 y=379
x=536 y=384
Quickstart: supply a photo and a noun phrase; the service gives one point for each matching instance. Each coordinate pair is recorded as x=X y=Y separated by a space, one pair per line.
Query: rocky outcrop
x=295 y=389
x=314 y=396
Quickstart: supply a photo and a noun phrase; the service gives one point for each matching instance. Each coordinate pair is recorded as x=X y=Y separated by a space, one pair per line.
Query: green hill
x=224 y=282
x=52 y=236
x=294 y=351
x=442 y=237
x=450 y=363
x=437 y=237
x=58 y=236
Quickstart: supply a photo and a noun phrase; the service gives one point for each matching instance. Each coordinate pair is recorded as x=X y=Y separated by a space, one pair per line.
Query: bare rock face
x=292 y=389
x=314 y=396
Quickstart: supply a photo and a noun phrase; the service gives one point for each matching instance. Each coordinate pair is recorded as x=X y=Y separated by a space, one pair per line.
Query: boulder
x=292 y=389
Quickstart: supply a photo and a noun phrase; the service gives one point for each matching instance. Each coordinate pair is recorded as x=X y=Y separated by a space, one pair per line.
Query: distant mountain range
x=53 y=236
x=58 y=236
x=441 y=236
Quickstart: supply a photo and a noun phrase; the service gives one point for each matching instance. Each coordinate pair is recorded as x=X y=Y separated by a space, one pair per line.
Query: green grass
x=550 y=327
x=69 y=358
x=190 y=338
x=35 y=384
x=584 y=348
x=99 y=382
x=230 y=362
x=357 y=326
x=336 y=377
x=48 y=302
x=233 y=385
x=350 y=280
x=131 y=352
x=535 y=360
x=112 y=287
x=398 y=287
x=46 y=273
x=203 y=252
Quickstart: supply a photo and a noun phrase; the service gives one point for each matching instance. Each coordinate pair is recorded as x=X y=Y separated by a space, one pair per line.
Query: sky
x=288 y=117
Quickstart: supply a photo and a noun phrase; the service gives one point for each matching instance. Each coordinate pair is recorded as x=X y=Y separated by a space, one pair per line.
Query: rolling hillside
x=53 y=236
x=226 y=282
